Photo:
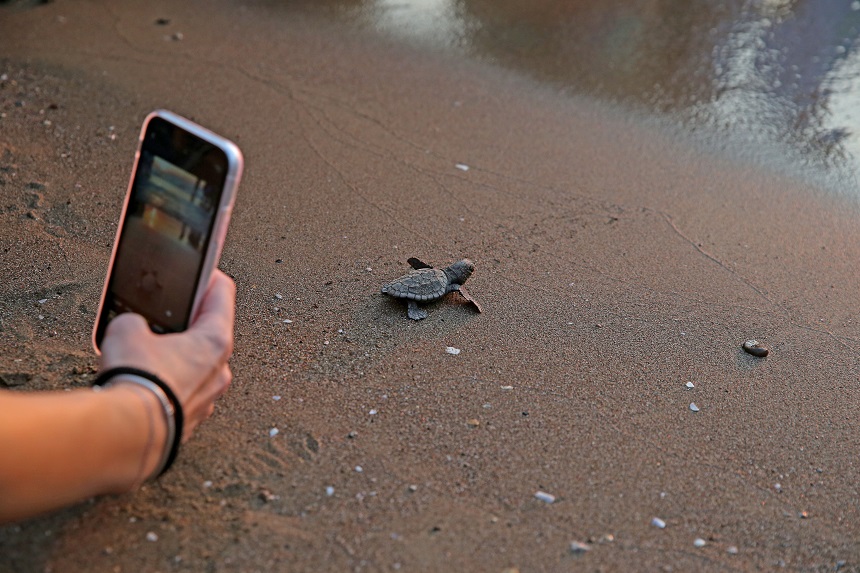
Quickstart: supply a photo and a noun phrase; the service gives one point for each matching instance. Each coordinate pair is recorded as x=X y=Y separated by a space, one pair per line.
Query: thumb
x=125 y=333
x=125 y=325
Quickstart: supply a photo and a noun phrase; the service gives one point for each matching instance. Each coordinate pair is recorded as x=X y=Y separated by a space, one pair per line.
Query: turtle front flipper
x=417 y=264
x=465 y=294
x=414 y=311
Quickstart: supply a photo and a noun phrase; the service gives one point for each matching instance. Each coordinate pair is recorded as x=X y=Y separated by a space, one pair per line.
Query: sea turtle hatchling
x=425 y=283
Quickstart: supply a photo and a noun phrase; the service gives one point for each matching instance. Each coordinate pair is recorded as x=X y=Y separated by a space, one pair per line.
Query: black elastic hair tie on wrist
x=104 y=377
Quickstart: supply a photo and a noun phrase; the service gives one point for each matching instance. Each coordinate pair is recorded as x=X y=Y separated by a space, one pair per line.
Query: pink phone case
x=235 y=165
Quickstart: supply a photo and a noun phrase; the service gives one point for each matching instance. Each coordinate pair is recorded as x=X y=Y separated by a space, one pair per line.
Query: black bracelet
x=178 y=418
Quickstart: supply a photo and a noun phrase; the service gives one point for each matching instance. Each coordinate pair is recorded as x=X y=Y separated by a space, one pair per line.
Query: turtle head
x=460 y=271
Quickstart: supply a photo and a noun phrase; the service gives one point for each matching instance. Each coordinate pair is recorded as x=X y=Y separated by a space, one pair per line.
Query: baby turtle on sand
x=425 y=283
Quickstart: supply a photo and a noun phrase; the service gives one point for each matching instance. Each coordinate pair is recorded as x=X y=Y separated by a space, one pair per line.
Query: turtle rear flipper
x=417 y=264
x=465 y=294
x=414 y=311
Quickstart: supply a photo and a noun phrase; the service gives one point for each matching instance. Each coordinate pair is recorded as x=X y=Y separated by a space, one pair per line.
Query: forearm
x=62 y=447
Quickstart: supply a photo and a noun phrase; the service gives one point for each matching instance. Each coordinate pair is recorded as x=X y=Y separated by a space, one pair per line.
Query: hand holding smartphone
x=172 y=226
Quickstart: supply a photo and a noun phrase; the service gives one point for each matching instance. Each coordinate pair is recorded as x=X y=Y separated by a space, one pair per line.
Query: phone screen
x=170 y=216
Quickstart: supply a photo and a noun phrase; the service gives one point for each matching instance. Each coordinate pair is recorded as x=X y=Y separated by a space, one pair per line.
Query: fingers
x=218 y=302
x=202 y=406
x=215 y=318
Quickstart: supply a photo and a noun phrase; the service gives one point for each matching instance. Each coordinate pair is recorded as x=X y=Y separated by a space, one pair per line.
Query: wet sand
x=616 y=262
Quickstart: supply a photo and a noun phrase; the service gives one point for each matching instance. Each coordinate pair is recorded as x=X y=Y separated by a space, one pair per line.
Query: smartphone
x=172 y=226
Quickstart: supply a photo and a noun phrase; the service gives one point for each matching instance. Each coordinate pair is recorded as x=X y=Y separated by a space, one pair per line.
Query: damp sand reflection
x=768 y=72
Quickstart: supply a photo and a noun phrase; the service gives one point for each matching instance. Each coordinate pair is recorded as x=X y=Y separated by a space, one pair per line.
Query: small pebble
x=359 y=469
x=279 y=296
x=273 y=432
x=207 y=484
x=657 y=522
x=287 y=321
x=152 y=536
x=413 y=488
x=452 y=350
x=545 y=497
x=732 y=550
x=699 y=542
x=462 y=167
x=329 y=490
x=777 y=487
x=753 y=347
x=373 y=412
x=693 y=407
x=690 y=385
x=507 y=388
x=578 y=547
x=474 y=422
x=266 y=496
x=276 y=398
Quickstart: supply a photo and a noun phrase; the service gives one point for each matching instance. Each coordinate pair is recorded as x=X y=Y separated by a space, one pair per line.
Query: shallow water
x=776 y=74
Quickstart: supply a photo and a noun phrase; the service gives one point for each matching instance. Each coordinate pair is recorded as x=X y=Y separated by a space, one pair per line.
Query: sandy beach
x=616 y=261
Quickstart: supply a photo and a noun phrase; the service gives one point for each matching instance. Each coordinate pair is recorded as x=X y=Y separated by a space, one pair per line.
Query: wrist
x=144 y=431
x=171 y=408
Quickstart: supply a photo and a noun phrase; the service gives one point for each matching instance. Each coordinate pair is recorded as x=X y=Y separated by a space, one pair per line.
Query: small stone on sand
x=452 y=350
x=545 y=497
x=753 y=347
x=693 y=407
x=657 y=522
x=699 y=542
x=578 y=547
x=690 y=385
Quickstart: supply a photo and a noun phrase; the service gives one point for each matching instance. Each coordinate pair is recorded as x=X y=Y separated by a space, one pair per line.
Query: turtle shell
x=419 y=284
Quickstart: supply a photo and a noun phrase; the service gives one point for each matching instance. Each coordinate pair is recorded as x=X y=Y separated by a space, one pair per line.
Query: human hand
x=193 y=363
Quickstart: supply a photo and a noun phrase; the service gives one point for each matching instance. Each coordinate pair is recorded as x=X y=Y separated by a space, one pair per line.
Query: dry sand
x=615 y=263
